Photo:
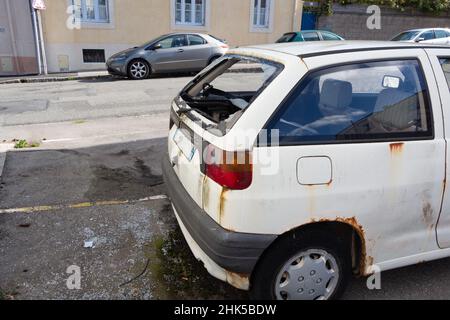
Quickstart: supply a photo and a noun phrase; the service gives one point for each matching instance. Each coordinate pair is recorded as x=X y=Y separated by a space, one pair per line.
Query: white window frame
x=96 y=23
x=269 y=17
x=193 y=25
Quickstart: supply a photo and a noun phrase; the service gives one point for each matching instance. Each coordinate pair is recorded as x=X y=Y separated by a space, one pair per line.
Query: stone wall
x=351 y=22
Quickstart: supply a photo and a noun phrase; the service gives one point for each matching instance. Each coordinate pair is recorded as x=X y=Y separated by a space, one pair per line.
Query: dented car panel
x=389 y=189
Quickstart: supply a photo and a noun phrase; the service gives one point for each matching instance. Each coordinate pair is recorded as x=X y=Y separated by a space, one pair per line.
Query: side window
x=173 y=42
x=329 y=36
x=310 y=36
x=428 y=35
x=445 y=63
x=440 y=34
x=366 y=101
x=195 y=40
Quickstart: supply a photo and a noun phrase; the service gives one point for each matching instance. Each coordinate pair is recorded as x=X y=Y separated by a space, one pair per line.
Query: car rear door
x=197 y=53
x=440 y=60
x=379 y=163
x=441 y=37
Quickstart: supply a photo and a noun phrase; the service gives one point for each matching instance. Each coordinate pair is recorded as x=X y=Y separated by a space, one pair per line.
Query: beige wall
x=134 y=22
x=17 y=44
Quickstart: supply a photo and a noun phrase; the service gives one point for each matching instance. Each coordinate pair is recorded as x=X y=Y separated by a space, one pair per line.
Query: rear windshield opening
x=224 y=91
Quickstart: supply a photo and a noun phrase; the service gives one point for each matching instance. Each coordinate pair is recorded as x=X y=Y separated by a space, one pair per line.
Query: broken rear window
x=223 y=91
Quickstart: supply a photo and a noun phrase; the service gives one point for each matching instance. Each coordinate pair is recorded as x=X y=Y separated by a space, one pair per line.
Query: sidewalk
x=56 y=77
x=93 y=75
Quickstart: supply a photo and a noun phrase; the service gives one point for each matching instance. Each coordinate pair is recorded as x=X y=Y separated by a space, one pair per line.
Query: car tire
x=139 y=69
x=325 y=267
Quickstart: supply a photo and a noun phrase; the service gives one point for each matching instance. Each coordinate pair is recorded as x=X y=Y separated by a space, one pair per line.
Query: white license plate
x=184 y=144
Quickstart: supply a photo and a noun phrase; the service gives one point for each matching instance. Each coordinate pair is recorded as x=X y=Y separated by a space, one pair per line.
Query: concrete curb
x=3 y=150
x=249 y=69
x=54 y=79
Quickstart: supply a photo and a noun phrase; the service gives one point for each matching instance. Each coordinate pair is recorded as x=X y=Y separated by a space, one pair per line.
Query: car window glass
x=329 y=36
x=173 y=42
x=440 y=34
x=310 y=36
x=286 y=38
x=445 y=63
x=357 y=102
x=428 y=35
x=195 y=40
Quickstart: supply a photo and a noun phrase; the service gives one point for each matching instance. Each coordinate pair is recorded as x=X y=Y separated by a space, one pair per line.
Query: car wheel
x=138 y=70
x=303 y=266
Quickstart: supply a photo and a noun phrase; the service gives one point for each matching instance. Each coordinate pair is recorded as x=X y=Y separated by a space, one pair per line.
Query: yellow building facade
x=82 y=34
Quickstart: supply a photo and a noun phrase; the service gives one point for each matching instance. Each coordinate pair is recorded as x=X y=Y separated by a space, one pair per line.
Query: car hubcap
x=309 y=275
x=138 y=70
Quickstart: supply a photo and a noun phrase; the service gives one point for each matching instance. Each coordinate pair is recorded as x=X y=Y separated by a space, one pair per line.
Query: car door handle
x=180 y=50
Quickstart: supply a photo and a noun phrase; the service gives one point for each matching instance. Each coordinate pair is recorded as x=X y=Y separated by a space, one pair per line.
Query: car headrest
x=336 y=93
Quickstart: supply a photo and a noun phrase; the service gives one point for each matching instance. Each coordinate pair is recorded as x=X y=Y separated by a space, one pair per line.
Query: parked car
x=309 y=35
x=431 y=36
x=178 y=52
x=330 y=160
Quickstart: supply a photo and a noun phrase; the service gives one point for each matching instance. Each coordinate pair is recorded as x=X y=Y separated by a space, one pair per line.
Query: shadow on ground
x=139 y=251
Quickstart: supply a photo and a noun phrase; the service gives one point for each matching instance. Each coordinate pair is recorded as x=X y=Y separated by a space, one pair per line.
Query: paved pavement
x=96 y=177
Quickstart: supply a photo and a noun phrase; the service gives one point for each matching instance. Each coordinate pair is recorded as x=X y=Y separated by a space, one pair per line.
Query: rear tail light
x=232 y=170
x=224 y=46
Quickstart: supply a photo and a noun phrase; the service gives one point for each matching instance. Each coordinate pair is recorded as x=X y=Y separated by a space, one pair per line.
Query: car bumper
x=116 y=69
x=228 y=256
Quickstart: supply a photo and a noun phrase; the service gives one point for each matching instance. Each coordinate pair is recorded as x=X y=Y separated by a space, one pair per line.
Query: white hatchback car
x=290 y=167
x=428 y=36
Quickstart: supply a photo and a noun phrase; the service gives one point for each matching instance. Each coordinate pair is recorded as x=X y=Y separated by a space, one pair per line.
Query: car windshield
x=286 y=38
x=223 y=91
x=406 y=36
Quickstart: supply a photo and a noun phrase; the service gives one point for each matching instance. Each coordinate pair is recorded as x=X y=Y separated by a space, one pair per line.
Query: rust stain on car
x=238 y=280
x=205 y=191
x=427 y=215
x=365 y=260
x=396 y=148
x=222 y=202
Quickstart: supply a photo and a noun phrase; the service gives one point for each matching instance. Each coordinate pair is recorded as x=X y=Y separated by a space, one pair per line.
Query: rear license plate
x=184 y=144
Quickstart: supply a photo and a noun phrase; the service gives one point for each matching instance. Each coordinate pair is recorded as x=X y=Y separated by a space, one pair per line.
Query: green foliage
x=432 y=6
x=22 y=144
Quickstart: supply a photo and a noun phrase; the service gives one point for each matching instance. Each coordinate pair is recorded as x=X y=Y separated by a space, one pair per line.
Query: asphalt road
x=95 y=178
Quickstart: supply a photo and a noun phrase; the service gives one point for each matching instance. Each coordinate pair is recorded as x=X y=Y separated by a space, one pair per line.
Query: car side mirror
x=156 y=46
x=420 y=39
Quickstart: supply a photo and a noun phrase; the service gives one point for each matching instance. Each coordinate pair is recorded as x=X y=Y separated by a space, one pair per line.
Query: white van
x=290 y=166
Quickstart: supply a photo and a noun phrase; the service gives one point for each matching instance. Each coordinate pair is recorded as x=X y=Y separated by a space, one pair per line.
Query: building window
x=261 y=13
x=96 y=11
x=190 y=12
x=93 y=55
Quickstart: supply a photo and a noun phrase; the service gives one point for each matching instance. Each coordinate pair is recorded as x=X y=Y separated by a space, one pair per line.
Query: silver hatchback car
x=176 y=52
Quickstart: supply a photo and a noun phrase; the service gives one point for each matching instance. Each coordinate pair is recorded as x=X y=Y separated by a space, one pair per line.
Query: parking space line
x=37 y=209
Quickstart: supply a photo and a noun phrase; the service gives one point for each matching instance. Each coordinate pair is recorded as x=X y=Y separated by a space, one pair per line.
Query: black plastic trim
x=233 y=251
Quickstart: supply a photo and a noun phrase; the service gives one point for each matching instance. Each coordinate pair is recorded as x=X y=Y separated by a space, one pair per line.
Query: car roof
x=317 y=48
x=186 y=32
x=424 y=29
x=310 y=30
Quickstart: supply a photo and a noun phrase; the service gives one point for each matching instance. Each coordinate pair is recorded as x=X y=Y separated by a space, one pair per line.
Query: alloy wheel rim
x=309 y=275
x=138 y=69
